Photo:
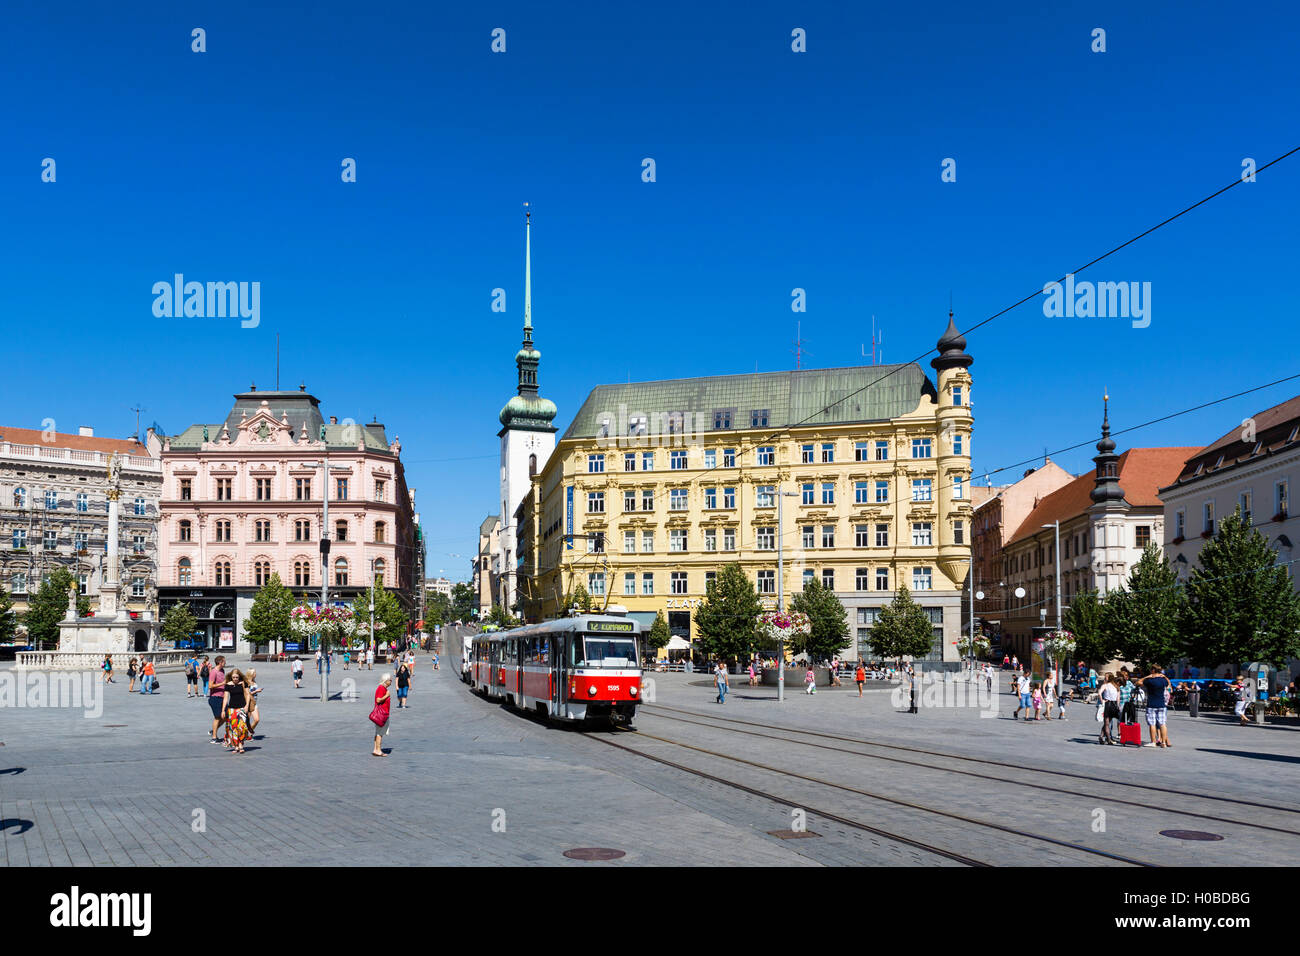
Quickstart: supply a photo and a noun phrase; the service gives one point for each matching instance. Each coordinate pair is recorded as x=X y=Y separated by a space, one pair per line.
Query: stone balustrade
x=52 y=453
x=93 y=661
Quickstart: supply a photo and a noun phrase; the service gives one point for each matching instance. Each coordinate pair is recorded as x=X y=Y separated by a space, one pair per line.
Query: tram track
x=788 y=801
x=717 y=722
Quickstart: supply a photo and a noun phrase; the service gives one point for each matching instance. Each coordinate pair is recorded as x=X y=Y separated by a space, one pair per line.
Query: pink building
x=242 y=499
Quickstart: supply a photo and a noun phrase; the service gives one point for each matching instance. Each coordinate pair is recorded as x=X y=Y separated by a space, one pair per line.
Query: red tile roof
x=32 y=436
x=1273 y=430
x=1142 y=473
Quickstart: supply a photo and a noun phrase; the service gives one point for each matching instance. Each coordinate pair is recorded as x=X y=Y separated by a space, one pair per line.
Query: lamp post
x=780 y=585
x=325 y=468
x=1056 y=555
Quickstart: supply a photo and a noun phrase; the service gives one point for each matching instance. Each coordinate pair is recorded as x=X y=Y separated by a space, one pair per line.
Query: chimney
x=85 y=431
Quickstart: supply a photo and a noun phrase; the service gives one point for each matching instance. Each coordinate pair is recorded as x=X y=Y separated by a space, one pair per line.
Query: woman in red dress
x=379 y=716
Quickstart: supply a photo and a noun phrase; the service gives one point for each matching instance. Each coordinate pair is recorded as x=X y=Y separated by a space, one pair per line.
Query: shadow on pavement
x=1254 y=756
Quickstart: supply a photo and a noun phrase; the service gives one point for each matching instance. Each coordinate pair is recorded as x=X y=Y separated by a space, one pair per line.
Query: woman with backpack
x=192 y=678
x=204 y=671
x=130 y=673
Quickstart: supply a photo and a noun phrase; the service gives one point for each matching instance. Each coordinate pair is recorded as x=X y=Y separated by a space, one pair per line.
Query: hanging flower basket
x=981 y=645
x=1060 y=644
x=331 y=623
x=781 y=626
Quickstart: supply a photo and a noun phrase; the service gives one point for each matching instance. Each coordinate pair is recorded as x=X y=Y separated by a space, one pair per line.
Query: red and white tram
x=576 y=668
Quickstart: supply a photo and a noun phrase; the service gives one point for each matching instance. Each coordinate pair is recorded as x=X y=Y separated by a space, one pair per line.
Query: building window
x=302 y=530
x=381 y=530
x=710 y=497
x=957 y=443
x=629 y=584
x=809 y=496
x=50 y=540
x=184 y=573
x=808 y=537
x=381 y=486
x=828 y=492
x=767 y=455
x=18 y=583
x=340 y=531
x=20 y=498
x=79 y=541
x=636 y=425
x=262 y=531
x=766 y=496
x=629 y=461
x=597 y=541
x=806 y=454
x=710 y=458
x=959 y=533
x=380 y=568
x=882 y=492
x=862 y=451
x=341 y=489
x=721 y=418
x=596 y=583
x=677 y=461
x=758 y=418
x=1207 y=518
x=882 y=451
x=861 y=493
x=921 y=579
x=341 y=573
x=677 y=540
x=1143 y=536
x=828 y=536
x=261 y=572
x=862 y=536
x=828 y=579
x=647 y=583
x=186 y=531
x=809 y=575
x=710 y=539
x=595 y=464
x=647 y=499
x=301 y=574
x=729 y=499
x=1180 y=524
x=862 y=579
x=1280 y=499
x=302 y=489
x=728 y=458
x=921 y=448
x=828 y=453
x=595 y=502
x=263 y=489
x=137 y=543
x=766 y=539
x=221 y=574
x=677 y=582
x=956 y=395
x=139 y=507
x=137 y=587
x=957 y=487
x=187 y=489
x=882 y=579
x=921 y=489
x=629 y=501
x=83 y=502
x=629 y=542
x=882 y=536
x=677 y=499
x=921 y=537
x=728 y=539
x=51 y=501
x=647 y=542
x=1244 y=502
x=224 y=490
x=647 y=461
x=766 y=582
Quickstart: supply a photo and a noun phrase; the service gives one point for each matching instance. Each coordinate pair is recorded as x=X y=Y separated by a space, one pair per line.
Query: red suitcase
x=1130 y=734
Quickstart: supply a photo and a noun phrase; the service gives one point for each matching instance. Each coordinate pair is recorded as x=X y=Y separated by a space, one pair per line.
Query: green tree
x=1084 y=620
x=727 y=619
x=8 y=619
x=178 y=624
x=463 y=602
x=1241 y=605
x=268 y=618
x=578 y=598
x=659 y=635
x=437 y=609
x=902 y=629
x=1142 y=618
x=829 y=625
x=390 y=617
x=501 y=617
x=47 y=608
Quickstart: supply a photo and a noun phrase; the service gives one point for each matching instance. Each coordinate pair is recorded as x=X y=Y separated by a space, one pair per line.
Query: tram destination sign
x=607 y=626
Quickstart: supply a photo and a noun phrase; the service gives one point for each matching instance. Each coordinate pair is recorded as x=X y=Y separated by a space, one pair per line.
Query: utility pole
x=781 y=495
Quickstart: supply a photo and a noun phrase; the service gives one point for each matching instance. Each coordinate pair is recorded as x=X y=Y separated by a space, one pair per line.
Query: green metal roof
x=832 y=396
x=296 y=407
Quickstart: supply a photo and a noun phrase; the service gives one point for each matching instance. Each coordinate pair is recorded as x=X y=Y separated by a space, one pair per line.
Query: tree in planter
x=1084 y=621
x=1241 y=605
x=829 y=626
x=48 y=606
x=902 y=629
x=268 y=618
x=178 y=624
x=726 y=618
x=1142 y=618
x=659 y=635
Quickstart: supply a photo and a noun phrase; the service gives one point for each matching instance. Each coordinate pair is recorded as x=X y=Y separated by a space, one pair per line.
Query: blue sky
x=775 y=170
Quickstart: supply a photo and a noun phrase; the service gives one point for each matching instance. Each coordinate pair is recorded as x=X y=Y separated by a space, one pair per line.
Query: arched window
x=186 y=531
x=221 y=575
x=261 y=572
x=380 y=568
x=532 y=465
x=340 y=531
x=301 y=574
x=380 y=529
x=341 y=573
x=20 y=497
x=184 y=576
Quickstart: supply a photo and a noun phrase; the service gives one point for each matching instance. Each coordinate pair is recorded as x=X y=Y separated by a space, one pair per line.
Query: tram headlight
x=632 y=690
x=591 y=691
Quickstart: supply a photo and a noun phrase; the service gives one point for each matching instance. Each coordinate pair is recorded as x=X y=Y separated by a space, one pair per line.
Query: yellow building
x=656 y=485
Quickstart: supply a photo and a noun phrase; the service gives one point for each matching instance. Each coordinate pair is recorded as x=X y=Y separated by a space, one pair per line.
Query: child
x=1038 y=702
x=810 y=681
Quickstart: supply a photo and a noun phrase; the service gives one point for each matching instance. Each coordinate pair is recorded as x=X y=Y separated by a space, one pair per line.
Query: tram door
x=494 y=662
x=563 y=656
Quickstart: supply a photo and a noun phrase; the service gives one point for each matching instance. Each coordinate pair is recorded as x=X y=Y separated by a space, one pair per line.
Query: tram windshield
x=601 y=651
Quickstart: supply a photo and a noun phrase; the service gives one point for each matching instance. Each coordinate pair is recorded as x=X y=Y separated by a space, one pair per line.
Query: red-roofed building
x=1107 y=517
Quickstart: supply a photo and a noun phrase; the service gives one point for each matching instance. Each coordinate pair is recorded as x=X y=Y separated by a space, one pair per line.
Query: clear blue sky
x=775 y=170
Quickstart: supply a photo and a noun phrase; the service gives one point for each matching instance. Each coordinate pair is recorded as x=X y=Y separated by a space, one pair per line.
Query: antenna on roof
x=137 y=409
x=277 y=361
x=877 y=355
x=798 y=349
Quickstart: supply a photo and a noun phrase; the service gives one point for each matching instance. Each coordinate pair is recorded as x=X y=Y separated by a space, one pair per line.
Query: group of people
x=1036 y=698
x=135 y=668
x=232 y=698
x=1118 y=702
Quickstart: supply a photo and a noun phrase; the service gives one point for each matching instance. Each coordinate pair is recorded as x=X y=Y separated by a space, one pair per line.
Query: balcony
x=73 y=456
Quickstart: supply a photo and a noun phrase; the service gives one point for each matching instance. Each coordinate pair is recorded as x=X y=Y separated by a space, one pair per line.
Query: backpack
x=189 y=668
x=204 y=673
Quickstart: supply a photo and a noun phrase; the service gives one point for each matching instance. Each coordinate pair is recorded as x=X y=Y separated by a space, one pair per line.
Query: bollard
x=1194 y=700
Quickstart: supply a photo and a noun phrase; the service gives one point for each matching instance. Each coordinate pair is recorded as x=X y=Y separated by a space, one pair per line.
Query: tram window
x=544 y=650
x=609 y=651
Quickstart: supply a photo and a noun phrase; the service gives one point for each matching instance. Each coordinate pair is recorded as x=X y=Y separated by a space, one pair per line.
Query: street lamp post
x=324 y=466
x=1056 y=553
x=780 y=585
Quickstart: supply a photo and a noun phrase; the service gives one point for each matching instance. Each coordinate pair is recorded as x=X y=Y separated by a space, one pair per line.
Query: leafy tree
x=829 y=625
x=388 y=612
x=178 y=624
x=8 y=619
x=501 y=617
x=48 y=606
x=1084 y=619
x=1242 y=606
x=268 y=618
x=902 y=629
x=659 y=635
x=726 y=619
x=578 y=598
x=463 y=602
x=1143 y=618
x=437 y=608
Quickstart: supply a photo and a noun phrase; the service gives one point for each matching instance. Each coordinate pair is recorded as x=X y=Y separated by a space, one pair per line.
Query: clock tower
x=527 y=436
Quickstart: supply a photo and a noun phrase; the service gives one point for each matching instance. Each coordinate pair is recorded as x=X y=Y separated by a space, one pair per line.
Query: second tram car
x=577 y=668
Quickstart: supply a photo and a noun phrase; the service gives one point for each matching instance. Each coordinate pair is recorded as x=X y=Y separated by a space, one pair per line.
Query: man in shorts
x=216 y=694
x=192 y=677
x=1155 y=686
x=1024 y=689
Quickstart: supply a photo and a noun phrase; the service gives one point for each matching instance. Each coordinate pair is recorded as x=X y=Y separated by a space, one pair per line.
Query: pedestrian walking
x=370 y=658
x=1049 y=695
x=108 y=668
x=720 y=682
x=1157 y=686
x=216 y=682
x=297 y=671
x=254 y=712
x=403 y=684
x=379 y=716
x=347 y=659
x=204 y=673
x=1022 y=689
x=1127 y=697
x=1242 y=696
x=1036 y=693
x=130 y=674
x=234 y=712
x=1108 y=709
x=835 y=672
x=435 y=660
x=860 y=676
x=910 y=674
x=191 y=677
x=146 y=682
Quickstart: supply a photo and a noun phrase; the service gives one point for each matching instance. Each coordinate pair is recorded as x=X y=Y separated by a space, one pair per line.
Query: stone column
x=110 y=587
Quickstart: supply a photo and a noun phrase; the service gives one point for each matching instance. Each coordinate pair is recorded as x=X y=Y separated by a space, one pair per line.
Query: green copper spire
x=528 y=410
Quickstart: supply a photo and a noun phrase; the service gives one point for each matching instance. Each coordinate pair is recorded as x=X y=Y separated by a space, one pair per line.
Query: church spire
x=528 y=275
x=528 y=410
x=1106 y=484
